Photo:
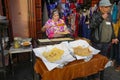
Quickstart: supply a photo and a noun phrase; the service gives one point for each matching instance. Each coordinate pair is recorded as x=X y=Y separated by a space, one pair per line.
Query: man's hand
x=105 y=16
x=115 y=41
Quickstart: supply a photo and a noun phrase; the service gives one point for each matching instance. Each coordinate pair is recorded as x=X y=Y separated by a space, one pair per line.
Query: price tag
x=108 y=23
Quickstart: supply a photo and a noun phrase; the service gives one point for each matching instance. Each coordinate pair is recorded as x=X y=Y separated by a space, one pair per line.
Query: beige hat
x=104 y=3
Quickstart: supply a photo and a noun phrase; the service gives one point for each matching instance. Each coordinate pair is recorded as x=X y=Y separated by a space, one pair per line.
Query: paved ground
x=111 y=74
x=24 y=72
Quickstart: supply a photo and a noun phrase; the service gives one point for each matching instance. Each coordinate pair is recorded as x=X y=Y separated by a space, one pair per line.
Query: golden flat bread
x=54 y=55
x=80 y=51
x=26 y=43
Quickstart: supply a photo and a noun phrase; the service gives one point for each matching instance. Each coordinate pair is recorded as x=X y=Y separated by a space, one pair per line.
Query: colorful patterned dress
x=54 y=27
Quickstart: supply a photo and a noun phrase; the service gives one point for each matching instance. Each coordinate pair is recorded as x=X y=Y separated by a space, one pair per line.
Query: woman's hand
x=43 y=29
x=65 y=32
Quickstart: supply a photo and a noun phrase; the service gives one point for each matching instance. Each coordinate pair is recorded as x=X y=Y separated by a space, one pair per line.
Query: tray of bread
x=54 y=55
x=81 y=49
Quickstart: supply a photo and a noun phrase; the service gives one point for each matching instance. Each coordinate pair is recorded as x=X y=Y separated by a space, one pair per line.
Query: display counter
x=75 y=69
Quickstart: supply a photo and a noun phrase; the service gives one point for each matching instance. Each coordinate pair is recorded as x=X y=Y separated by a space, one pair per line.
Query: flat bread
x=80 y=51
x=54 y=55
x=26 y=43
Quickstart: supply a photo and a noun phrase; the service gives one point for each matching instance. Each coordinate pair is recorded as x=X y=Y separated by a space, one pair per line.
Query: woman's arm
x=43 y=29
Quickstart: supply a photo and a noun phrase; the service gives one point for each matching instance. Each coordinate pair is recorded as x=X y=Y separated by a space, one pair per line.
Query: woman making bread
x=55 y=27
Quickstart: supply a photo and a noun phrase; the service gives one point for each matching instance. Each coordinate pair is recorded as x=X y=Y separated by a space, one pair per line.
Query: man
x=102 y=33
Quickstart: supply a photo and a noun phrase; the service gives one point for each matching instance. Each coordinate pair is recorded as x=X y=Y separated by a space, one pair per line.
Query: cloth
x=73 y=70
x=85 y=27
x=80 y=1
x=106 y=31
x=77 y=16
x=114 y=13
x=54 y=27
x=116 y=27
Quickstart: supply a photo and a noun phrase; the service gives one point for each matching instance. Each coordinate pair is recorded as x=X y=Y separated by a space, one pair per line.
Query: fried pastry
x=54 y=55
x=80 y=51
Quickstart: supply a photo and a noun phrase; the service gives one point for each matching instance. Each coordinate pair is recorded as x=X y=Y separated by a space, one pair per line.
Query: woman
x=55 y=27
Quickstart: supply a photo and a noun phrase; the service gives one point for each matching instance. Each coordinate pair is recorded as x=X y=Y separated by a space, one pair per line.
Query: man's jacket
x=98 y=31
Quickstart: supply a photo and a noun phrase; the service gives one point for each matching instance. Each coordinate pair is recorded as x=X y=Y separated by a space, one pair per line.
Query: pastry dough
x=80 y=51
x=53 y=55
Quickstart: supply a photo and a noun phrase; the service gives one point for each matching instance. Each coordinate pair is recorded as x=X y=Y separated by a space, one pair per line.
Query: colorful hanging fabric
x=114 y=13
x=85 y=26
x=72 y=15
x=80 y=1
x=67 y=9
x=73 y=7
x=94 y=2
x=76 y=25
x=63 y=1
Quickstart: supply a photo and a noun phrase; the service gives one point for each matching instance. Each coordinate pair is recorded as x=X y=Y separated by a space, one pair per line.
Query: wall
x=19 y=15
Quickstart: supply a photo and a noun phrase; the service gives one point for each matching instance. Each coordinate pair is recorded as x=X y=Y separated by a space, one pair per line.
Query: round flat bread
x=80 y=51
x=54 y=55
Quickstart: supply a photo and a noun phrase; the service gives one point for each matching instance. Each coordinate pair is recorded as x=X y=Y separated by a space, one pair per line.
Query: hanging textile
x=72 y=15
x=94 y=2
x=114 y=13
x=50 y=8
x=80 y=1
x=45 y=12
x=76 y=25
x=63 y=1
x=85 y=25
x=73 y=7
x=67 y=9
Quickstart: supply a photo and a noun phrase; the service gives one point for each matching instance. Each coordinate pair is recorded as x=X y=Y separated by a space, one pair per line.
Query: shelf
x=6 y=57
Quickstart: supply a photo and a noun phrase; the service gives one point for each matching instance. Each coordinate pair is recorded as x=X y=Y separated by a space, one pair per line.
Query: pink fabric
x=54 y=27
x=72 y=6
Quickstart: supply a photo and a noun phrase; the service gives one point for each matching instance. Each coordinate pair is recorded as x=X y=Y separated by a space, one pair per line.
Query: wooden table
x=72 y=70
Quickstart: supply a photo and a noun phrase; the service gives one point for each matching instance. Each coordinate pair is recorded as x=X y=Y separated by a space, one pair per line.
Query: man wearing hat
x=102 y=33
